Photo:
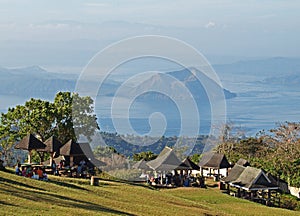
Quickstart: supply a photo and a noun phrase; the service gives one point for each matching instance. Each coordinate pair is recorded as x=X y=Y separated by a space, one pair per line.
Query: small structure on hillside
x=75 y=152
x=141 y=165
x=29 y=143
x=213 y=163
x=188 y=164
x=251 y=183
x=89 y=156
x=165 y=161
x=53 y=146
x=70 y=150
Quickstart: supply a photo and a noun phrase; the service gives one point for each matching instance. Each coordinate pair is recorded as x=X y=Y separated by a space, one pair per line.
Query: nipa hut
x=29 y=143
x=53 y=146
x=250 y=183
x=71 y=150
x=213 y=163
x=165 y=161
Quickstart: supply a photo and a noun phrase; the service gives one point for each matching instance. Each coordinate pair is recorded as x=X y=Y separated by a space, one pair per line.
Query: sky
x=66 y=34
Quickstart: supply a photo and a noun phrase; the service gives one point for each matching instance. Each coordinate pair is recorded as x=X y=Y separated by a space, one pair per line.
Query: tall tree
x=74 y=116
x=44 y=119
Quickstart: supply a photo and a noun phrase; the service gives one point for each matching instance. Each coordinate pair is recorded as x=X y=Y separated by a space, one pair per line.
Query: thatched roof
x=283 y=185
x=249 y=178
x=71 y=148
x=234 y=173
x=29 y=143
x=142 y=164
x=52 y=145
x=214 y=160
x=165 y=161
x=187 y=162
x=87 y=150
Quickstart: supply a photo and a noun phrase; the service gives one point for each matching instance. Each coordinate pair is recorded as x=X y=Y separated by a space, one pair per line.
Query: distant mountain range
x=271 y=67
x=196 y=87
x=262 y=92
x=34 y=81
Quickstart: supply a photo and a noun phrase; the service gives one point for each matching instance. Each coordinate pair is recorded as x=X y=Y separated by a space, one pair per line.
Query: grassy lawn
x=67 y=196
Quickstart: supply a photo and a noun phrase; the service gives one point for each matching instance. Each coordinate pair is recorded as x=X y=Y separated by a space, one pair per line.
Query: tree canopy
x=45 y=119
x=276 y=151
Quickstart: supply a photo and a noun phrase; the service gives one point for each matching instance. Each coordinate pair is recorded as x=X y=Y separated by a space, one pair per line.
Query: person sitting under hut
x=18 y=169
x=29 y=172
x=40 y=173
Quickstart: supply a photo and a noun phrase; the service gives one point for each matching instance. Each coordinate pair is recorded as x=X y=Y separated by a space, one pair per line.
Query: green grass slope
x=63 y=196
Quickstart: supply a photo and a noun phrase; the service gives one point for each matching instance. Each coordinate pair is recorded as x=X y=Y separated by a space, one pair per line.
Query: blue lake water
x=257 y=106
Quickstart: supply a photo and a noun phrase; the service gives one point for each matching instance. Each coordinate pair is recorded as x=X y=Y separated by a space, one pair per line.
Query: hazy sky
x=68 y=33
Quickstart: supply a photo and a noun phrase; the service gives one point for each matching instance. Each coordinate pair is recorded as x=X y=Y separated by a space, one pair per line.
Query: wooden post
x=94 y=181
x=29 y=156
x=51 y=158
x=239 y=192
x=71 y=161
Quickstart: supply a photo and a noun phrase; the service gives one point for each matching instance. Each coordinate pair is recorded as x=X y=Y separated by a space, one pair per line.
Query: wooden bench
x=95 y=180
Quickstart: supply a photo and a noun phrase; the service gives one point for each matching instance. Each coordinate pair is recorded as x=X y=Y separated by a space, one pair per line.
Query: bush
x=290 y=202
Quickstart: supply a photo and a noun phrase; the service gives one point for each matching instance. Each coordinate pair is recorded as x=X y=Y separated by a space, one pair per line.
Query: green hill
x=68 y=196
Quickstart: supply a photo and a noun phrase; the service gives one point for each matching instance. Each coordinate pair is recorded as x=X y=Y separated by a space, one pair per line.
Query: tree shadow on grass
x=64 y=184
x=138 y=184
x=13 y=182
x=5 y=203
x=63 y=201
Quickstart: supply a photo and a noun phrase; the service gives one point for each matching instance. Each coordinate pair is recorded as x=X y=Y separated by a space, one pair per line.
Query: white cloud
x=210 y=24
x=49 y=26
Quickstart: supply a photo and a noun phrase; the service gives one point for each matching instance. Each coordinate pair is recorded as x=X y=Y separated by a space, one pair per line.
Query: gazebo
x=189 y=164
x=53 y=146
x=251 y=183
x=71 y=149
x=214 y=161
x=29 y=143
x=165 y=161
x=89 y=155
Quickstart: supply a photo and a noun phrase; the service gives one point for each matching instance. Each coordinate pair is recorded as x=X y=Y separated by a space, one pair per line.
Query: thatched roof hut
x=214 y=161
x=79 y=151
x=249 y=178
x=89 y=155
x=165 y=161
x=29 y=143
x=142 y=165
x=53 y=146
x=71 y=149
x=189 y=164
